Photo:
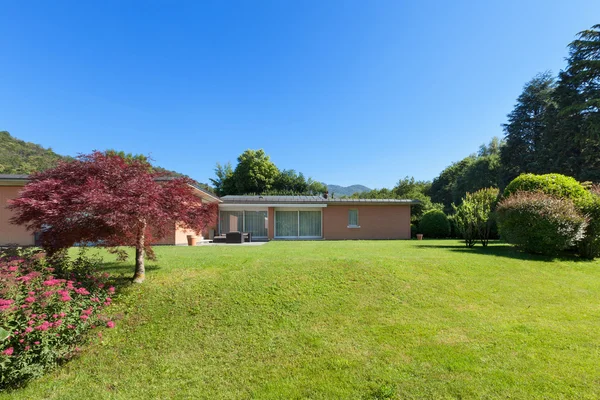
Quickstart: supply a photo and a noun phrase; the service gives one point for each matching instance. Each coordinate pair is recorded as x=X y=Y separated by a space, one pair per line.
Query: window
x=297 y=224
x=244 y=221
x=353 y=219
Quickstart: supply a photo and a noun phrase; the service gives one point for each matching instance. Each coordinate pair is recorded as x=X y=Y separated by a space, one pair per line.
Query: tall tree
x=109 y=200
x=576 y=138
x=443 y=187
x=255 y=172
x=472 y=173
x=223 y=183
x=528 y=129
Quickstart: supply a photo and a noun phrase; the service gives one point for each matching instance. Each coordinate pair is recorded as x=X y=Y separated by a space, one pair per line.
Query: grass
x=347 y=320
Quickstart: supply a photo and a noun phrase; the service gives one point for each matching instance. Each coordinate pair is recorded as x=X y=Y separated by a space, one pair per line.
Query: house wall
x=271 y=220
x=376 y=222
x=9 y=233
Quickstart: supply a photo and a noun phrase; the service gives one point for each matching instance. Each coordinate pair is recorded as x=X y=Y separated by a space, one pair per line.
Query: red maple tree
x=109 y=200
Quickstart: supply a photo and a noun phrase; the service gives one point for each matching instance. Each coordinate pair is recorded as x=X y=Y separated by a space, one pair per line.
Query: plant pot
x=191 y=240
x=419 y=236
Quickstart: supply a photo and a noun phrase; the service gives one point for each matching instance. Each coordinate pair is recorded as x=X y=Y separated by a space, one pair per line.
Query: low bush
x=589 y=246
x=540 y=223
x=43 y=317
x=475 y=217
x=555 y=185
x=434 y=224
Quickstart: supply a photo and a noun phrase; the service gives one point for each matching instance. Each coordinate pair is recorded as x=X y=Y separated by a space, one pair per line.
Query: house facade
x=315 y=217
x=11 y=185
x=266 y=217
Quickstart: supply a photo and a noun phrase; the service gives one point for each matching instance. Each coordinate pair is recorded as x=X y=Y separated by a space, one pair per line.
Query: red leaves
x=104 y=198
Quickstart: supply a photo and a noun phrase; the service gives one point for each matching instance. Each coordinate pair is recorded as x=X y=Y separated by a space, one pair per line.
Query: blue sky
x=344 y=91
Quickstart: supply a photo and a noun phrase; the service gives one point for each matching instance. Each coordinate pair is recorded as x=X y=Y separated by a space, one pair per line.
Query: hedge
x=540 y=223
x=434 y=224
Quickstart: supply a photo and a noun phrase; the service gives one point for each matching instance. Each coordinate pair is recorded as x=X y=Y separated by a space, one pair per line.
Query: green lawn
x=344 y=320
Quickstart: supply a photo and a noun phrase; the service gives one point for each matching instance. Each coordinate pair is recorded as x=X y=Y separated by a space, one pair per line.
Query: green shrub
x=589 y=246
x=556 y=185
x=434 y=224
x=540 y=223
x=475 y=218
x=454 y=230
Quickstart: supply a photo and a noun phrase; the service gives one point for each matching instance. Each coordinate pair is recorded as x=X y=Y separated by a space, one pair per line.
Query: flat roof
x=16 y=177
x=309 y=200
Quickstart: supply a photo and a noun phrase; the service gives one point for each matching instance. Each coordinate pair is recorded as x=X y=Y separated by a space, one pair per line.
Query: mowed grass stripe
x=356 y=319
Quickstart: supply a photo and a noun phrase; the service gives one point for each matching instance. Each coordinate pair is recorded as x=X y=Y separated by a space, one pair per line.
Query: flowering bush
x=43 y=316
x=540 y=223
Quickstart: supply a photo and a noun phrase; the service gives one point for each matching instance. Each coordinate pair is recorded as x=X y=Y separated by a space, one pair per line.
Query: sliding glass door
x=254 y=222
x=299 y=224
x=231 y=221
x=286 y=223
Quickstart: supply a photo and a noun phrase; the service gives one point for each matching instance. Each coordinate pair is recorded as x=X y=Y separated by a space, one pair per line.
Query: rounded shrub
x=589 y=246
x=540 y=223
x=435 y=224
x=556 y=185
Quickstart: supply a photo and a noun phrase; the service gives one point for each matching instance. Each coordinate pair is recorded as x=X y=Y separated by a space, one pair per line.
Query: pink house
x=266 y=217
x=10 y=185
x=315 y=217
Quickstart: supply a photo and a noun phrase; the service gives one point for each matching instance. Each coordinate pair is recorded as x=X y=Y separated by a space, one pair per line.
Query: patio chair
x=234 y=237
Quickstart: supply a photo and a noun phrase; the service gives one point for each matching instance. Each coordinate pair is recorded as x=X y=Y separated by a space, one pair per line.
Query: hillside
x=20 y=157
x=346 y=190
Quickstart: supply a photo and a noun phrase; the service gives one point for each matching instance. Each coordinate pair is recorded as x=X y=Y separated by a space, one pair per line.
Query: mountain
x=338 y=191
x=20 y=157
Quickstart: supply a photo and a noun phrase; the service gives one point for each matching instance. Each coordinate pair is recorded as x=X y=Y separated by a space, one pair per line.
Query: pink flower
x=44 y=326
x=54 y=316
x=5 y=304
x=8 y=352
x=36 y=342
x=88 y=311
x=82 y=291
x=95 y=300
x=110 y=324
x=111 y=289
x=21 y=340
x=62 y=315
x=27 y=348
x=31 y=293
x=52 y=282
x=13 y=268
x=30 y=299
x=28 y=329
x=100 y=285
x=100 y=335
x=84 y=317
x=71 y=326
x=65 y=298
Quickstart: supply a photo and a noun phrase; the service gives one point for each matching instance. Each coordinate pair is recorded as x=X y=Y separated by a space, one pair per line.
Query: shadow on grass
x=498 y=249
x=122 y=273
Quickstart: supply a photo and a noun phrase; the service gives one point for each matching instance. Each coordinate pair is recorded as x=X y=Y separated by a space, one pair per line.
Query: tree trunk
x=140 y=269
